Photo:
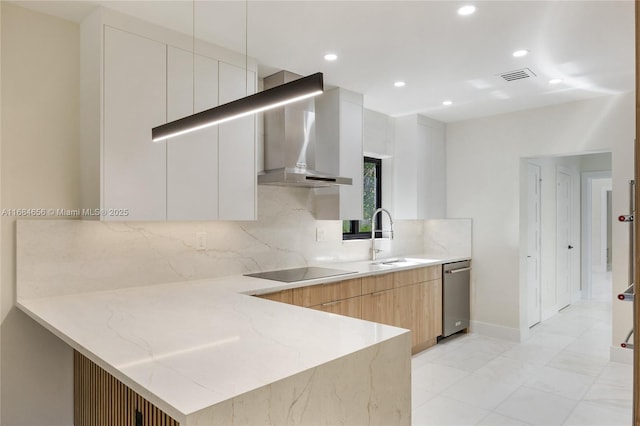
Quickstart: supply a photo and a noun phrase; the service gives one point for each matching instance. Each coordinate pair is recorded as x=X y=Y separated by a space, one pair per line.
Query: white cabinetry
x=339 y=130
x=192 y=159
x=134 y=176
x=135 y=76
x=238 y=177
x=419 y=168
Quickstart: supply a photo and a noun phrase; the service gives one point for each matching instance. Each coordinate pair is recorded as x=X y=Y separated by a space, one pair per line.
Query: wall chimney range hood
x=290 y=151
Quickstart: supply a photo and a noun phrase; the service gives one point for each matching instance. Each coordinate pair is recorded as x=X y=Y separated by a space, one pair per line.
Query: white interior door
x=534 y=231
x=563 y=239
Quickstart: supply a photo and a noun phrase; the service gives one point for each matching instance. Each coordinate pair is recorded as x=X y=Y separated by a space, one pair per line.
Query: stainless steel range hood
x=290 y=143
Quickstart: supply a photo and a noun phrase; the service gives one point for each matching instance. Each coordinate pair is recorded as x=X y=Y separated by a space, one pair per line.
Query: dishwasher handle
x=455 y=271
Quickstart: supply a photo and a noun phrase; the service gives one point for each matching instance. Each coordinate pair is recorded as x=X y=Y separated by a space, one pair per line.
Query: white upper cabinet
x=192 y=159
x=136 y=76
x=419 y=168
x=339 y=138
x=237 y=171
x=378 y=134
x=134 y=172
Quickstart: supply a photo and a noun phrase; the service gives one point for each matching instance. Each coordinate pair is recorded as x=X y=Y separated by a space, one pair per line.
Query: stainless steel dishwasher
x=455 y=297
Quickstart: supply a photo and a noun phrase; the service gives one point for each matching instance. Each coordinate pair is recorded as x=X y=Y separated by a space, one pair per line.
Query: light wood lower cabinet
x=102 y=400
x=426 y=313
x=409 y=299
x=284 y=296
x=380 y=307
x=351 y=307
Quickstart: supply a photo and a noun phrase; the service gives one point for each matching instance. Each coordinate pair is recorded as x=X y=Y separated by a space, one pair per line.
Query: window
x=372 y=199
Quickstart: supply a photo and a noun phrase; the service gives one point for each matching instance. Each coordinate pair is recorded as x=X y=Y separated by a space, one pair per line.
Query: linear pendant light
x=287 y=93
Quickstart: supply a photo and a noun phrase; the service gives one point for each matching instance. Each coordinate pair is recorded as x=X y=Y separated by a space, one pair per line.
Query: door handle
x=570 y=247
x=455 y=271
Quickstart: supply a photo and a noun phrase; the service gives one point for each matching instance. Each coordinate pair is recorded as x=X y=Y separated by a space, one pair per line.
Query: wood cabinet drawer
x=341 y=290
x=351 y=307
x=308 y=296
x=418 y=275
x=375 y=283
x=379 y=307
x=324 y=293
x=284 y=296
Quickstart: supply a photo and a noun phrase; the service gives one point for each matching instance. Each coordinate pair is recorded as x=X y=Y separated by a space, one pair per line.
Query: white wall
x=39 y=168
x=483 y=183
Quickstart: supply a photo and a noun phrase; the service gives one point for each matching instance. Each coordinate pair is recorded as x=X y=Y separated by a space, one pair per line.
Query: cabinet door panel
x=351 y=307
x=351 y=164
x=405 y=314
x=192 y=159
x=284 y=296
x=418 y=275
x=375 y=283
x=341 y=290
x=237 y=150
x=379 y=307
x=434 y=308
x=134 y=167
x=308 y=296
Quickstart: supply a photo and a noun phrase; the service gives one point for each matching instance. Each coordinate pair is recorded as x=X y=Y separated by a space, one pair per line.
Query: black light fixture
x=293 y=91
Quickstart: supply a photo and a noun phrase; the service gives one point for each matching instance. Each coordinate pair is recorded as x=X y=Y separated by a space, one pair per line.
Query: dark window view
x=372 y=199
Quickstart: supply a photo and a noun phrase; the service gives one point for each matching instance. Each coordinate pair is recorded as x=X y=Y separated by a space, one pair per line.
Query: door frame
x=586 y=216
x=539 y=272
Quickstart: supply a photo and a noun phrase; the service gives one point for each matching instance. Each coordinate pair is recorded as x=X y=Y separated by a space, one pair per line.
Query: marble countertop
x=186 y=346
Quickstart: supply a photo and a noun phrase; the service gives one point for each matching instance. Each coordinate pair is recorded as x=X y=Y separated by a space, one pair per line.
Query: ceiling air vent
x=517 y=74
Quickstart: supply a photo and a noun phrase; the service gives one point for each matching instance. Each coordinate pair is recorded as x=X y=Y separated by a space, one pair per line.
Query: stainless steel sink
x=402 y=261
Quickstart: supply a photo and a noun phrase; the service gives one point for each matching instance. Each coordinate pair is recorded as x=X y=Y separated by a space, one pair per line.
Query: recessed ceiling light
x=520 y=53
x=330 y=57
x=447 y=103
x=466 y=10
x=555 y=81
x=399 y=84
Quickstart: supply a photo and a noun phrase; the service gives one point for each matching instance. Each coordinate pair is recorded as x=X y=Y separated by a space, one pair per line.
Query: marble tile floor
x=560 y=376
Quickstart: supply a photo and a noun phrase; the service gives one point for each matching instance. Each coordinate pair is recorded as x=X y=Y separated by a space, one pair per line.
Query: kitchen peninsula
x=205 y=351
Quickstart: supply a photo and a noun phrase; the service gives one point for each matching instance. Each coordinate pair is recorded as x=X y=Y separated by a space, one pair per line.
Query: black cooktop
x=299 y=274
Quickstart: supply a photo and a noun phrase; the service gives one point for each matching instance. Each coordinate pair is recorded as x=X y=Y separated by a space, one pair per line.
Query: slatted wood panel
x=102 y=400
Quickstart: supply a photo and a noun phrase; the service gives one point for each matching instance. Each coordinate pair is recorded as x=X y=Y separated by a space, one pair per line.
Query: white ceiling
x=440 y=55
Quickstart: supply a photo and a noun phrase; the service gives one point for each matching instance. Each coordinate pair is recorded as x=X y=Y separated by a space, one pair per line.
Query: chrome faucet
x=373 y=231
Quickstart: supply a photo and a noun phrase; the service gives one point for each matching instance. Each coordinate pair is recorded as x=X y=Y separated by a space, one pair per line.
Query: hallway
x=560 y=376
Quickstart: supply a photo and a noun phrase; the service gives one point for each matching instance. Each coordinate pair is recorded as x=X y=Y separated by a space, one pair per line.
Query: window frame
x=355 y=233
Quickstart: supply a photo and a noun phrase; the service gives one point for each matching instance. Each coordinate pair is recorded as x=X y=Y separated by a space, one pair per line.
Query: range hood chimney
x=290 y=143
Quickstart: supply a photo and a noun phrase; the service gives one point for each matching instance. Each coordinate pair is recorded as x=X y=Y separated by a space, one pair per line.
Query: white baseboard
x=620 y=354
x=493 y=330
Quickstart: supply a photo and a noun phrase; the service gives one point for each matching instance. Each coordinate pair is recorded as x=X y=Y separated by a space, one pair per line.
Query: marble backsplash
x=70 y=256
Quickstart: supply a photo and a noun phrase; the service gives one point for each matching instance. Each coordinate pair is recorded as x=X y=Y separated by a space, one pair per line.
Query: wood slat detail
x=102 y=400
